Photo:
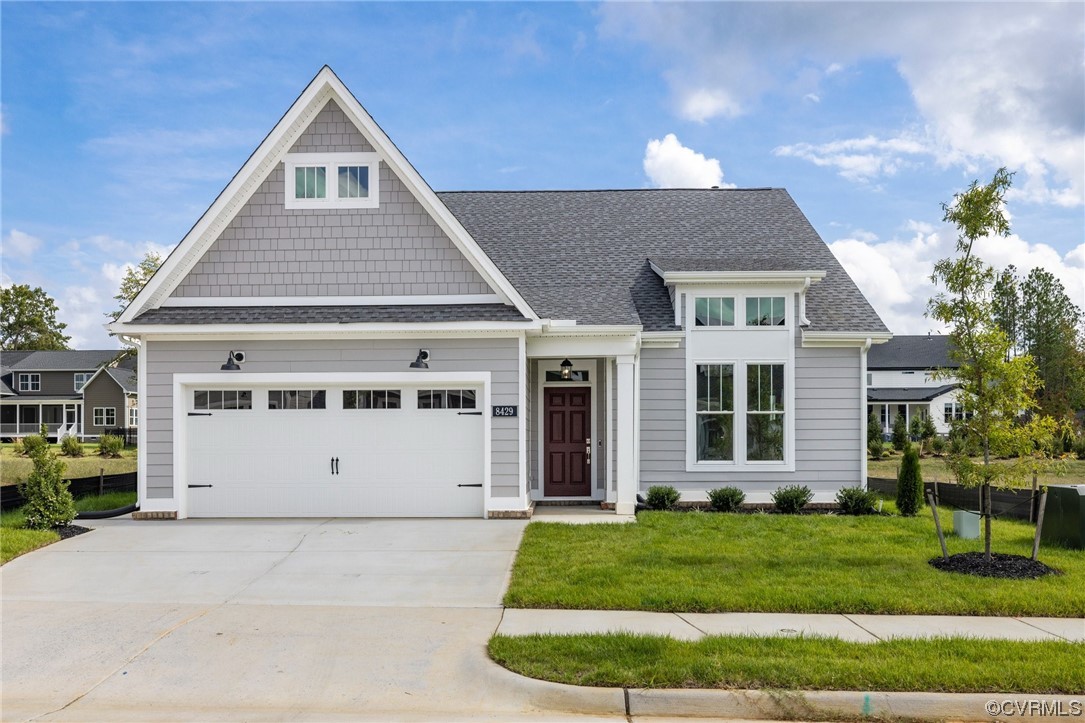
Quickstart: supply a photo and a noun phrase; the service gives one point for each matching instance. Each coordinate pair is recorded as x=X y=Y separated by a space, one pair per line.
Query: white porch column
x=628 y=423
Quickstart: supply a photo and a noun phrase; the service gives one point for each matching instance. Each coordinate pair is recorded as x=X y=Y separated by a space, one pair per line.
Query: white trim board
x=324 y=87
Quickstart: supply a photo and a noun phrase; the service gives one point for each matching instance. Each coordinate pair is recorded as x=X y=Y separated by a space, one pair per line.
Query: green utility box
x=1064 y=517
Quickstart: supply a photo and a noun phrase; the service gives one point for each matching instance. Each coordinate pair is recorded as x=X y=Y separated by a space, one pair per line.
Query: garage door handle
x=191 y=486
x=199 y=414
x=470 y=414
x=474 y=485
x=337 y=465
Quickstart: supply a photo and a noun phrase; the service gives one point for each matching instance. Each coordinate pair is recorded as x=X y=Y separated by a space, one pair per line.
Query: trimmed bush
x=857 y=501
x=110 y=445
x=910 y=484
x=938 y=445
x=876 y=449
x=726 y=499
x=33 y=443
x=48 y=502
x=900 y=433
x=661 y=497
x=789 y=499
x=70 y=446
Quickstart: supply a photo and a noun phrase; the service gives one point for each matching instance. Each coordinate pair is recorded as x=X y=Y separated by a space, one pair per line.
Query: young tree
x=900 y=433
x=48 y=501
x=135 y=278
x=910 y=483
x=28 y=320
x=874 y=444
x=995 y=388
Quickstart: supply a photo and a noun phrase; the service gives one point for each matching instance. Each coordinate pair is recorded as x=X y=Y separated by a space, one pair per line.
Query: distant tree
x=998 y=390
x=910 y=483
x=900 y=433
x=29 y=320
x=1051 y=331
x=874 y=444
x=1006 y=306
x=135 y=278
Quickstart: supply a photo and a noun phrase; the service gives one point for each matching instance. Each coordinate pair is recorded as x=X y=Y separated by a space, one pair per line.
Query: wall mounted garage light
x=231 y=362
x=421 y=359
x=566 y=370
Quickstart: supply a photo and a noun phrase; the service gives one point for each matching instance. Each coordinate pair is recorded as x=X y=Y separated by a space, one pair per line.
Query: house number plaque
x=510 y=410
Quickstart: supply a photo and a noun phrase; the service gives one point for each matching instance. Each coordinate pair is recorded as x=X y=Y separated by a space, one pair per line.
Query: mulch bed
x=1011 y=567
x=71 y=531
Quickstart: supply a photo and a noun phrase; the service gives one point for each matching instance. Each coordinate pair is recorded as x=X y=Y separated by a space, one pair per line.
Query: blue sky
x=121 y=122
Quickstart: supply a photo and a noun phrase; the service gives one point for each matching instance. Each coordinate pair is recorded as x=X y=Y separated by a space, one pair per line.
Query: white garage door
x=303 y=449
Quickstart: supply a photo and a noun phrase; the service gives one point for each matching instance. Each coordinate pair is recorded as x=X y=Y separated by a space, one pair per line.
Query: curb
x=546 y=696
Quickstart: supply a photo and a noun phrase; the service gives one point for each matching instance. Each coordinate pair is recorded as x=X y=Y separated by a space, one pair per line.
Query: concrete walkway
x=856 y=628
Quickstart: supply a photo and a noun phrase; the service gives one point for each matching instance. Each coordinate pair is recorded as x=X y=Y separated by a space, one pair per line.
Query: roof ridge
x=609 y=190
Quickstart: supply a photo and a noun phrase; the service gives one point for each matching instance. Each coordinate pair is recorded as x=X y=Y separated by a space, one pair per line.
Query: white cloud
x=702 y=104
x=998 y=84
x=20 y=244
x=812 y=97
x=669 y=164
x=895 y=275
x=860 y=159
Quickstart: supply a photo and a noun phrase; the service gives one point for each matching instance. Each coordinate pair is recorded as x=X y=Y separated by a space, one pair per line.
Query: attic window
x=331 y=180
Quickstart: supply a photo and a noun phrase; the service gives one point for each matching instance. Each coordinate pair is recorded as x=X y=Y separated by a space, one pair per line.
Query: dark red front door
x=567 y=411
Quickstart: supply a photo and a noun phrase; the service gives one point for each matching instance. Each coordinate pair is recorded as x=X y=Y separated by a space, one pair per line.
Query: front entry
x=567 y=446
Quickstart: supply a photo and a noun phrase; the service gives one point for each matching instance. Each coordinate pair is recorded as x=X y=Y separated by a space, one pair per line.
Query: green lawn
x=108 y=501
x=951 y=665
x=935 y=470
x=15 y=541
x=710 y=562
x=15 y=468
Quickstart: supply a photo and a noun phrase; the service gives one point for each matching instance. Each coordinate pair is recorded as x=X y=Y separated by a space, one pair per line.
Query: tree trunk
x=986 y=497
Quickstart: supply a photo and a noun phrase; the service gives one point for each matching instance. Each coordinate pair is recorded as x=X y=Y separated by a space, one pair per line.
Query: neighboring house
x=81 y=393
x=901 y=380
x=333 y=337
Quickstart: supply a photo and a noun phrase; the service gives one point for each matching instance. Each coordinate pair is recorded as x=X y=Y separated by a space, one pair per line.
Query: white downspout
x=862 y=413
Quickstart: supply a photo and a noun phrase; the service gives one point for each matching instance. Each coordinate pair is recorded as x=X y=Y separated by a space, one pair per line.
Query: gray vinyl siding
x=53 y=384
x=497 y=355
x=103 y=392
x=394 y=250
x=827 y=419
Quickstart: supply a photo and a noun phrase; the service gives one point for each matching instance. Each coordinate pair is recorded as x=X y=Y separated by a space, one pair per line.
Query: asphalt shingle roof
x=126 y=378
x=911 y=352
x=912 y=394
x=74 y=360
x=584 y=255
x=400 y=314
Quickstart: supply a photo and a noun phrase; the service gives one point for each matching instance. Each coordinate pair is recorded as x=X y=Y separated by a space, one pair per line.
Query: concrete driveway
x=263 y=620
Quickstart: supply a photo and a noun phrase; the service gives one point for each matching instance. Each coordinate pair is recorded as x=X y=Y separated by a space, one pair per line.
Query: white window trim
x=740 y=463
x=105 y=412
x=740 y=298
x=330 y=162
x=27 y=382
x=133 y=417
x=83 y=377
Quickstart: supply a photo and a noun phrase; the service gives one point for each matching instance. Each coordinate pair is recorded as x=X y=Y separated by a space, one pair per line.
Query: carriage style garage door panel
x=309 y=449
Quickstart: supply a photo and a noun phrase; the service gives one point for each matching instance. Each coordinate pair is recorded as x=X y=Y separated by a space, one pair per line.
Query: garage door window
x=446 y=398
x=296 y=399
x=222 y=399
x=371 y=399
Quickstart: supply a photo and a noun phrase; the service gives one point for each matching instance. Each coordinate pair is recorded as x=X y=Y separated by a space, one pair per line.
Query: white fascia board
x=187 y=332
x=686 y=278
x=426 y=196
x=326 y=85
x=843 y=338
x=567 y=345
x=419 y=300
x=662 y=339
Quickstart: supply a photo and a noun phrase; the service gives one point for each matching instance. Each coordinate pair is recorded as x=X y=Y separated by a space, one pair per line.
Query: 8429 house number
x=505 y=411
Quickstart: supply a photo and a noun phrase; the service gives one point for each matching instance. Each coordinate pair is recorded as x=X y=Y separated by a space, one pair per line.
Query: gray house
x=333 y=337
x=78 y=392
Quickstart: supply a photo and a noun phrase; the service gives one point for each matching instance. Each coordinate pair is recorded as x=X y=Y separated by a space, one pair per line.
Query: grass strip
x=711 y=562
x=107 y=501
x=15 y=541
x=950 y=665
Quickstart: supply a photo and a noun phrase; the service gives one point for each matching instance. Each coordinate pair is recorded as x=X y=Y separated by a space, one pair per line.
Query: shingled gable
x=198 y=272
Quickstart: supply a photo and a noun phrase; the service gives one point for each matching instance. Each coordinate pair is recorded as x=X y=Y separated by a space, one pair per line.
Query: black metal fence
x=10 y=497
x=1004 y=503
